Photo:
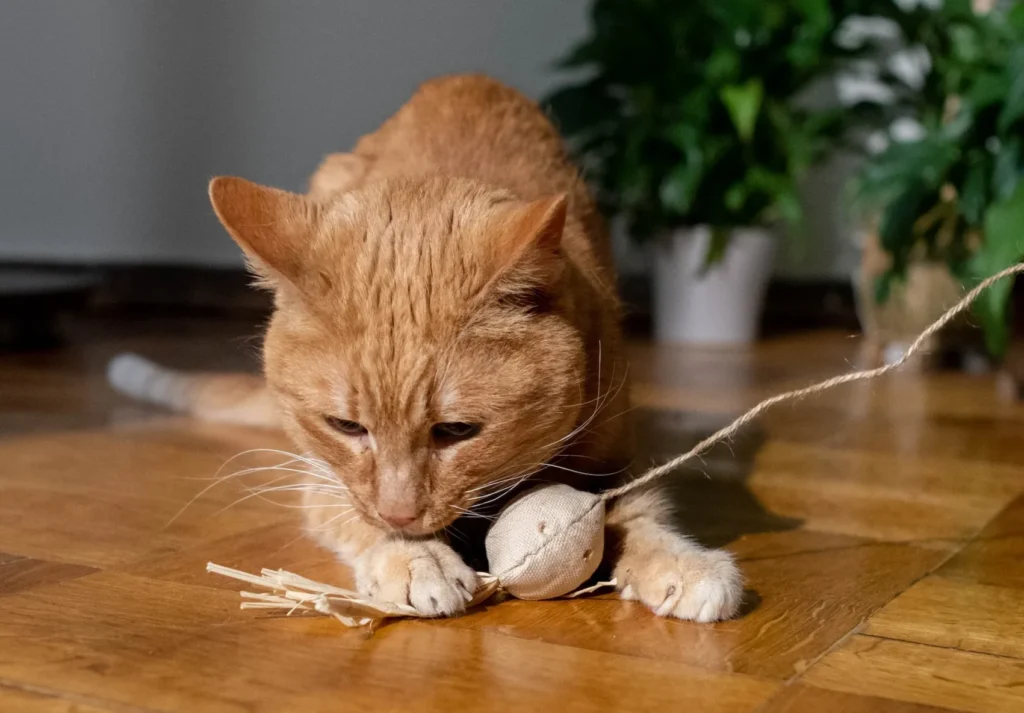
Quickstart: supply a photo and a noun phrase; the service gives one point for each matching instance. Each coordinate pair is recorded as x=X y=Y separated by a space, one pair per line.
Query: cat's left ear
x=273 y=227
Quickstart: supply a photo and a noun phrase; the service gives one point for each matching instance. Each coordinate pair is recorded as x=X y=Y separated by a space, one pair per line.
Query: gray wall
x=117 y=112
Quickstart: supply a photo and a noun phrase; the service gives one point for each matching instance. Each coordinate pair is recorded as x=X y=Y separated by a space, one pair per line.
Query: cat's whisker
x=221 y=478
x=322 y=472
x=282 y=468
x=294 y=506
x=583 y=472
x=602 y=403
x=470 y=513
x=494 y=497
x=324 y=526
x=501 y=478
x=494 y=483
x=453 y=532
x=315 y=463
x=217 y=481
x=261 y=494
x=585 y=424
x=300 y=488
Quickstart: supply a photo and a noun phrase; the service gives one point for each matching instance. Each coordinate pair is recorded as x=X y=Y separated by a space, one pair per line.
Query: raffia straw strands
x=864 y=375
x=596 y=587
x=291 y=594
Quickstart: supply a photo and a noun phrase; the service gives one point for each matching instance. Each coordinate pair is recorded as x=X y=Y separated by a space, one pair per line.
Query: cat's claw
x=424 y=574
x=683 y=581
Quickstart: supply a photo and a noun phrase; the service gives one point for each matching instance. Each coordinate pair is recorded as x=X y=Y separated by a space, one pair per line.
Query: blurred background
x=767 y=166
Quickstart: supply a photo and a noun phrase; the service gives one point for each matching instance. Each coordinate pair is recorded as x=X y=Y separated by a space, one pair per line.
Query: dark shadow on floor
x=713 y=499
x=712 y=496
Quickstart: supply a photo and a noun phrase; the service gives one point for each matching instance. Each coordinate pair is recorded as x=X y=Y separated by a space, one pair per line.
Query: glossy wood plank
x=898 y=498
x=799 y=698
x=281 y=545
x=20 y=573
x=929 y=675
x=200 y=653
x=109 y=498
x=835 y=507
x=798 y=606
x=18 y=700
x=956 y=615
x=991 y=435
x=996 y=555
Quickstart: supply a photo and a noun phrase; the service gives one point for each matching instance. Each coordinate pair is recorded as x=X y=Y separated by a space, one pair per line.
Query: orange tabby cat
x=446 y=326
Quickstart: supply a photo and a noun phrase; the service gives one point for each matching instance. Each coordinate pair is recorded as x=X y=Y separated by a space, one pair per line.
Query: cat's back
x=475 y=127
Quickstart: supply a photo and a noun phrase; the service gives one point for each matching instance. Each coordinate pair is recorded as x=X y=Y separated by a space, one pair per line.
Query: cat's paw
x=424 y=574
x=682 y=580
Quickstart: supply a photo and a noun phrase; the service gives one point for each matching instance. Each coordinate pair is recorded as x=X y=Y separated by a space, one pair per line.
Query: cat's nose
x=398 y=518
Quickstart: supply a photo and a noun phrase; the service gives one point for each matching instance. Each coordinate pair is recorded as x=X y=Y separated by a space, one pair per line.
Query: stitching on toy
x=547 y=540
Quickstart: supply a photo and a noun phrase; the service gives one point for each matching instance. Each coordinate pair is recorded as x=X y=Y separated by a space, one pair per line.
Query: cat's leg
x=424 y=573
x=665 y=570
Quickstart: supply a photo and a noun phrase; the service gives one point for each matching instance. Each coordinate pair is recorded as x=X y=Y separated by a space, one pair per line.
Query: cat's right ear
x=273 y=227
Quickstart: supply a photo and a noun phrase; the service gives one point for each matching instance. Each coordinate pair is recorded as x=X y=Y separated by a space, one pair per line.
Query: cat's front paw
x=682 y=580
x=424 y=574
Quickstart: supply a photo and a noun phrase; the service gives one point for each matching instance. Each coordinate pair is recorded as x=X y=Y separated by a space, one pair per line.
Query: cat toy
x=548 y=541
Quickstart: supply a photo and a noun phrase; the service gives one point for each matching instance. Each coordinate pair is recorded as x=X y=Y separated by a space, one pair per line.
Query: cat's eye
x=349 y=428
x=453 y=431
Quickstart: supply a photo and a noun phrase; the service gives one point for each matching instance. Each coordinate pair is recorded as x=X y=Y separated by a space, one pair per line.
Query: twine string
x=863 y=375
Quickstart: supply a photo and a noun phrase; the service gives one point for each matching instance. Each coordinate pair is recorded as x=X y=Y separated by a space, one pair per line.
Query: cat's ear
x=533 y=235
x=273 y=227
x=527 y=254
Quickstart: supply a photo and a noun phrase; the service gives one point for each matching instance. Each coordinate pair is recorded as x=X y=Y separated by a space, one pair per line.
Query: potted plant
x=949 y=203
x=689 y=123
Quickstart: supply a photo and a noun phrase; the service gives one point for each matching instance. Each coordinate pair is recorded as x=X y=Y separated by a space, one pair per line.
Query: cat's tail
x=227 y=398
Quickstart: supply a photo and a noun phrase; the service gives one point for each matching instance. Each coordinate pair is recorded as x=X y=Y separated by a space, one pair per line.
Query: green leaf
x=965 y=43
x=718 y=245
x=587 y=52
x=1003 y=246
x=988 y=88
x=974 y=194
x=958 y=7
x=1006 y=174
x=1015 y=17
x=780 y=192
x=743 y=102
x=896 y=228
x=735 y=196
x=903 y=167
x=581 y=107
x=680 y=186
x=789 y=207
x=1013 y=103
x=883 y=286
x=723 y=65
x=817 y=12
x=804 y=53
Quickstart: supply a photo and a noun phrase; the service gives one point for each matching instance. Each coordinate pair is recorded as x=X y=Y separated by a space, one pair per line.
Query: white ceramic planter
x=719 y=306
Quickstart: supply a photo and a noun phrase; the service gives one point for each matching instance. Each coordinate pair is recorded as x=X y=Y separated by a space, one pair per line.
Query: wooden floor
x=881 y=529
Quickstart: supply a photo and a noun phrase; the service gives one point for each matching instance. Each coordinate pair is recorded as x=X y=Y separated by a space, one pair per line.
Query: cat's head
x=418 y=344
